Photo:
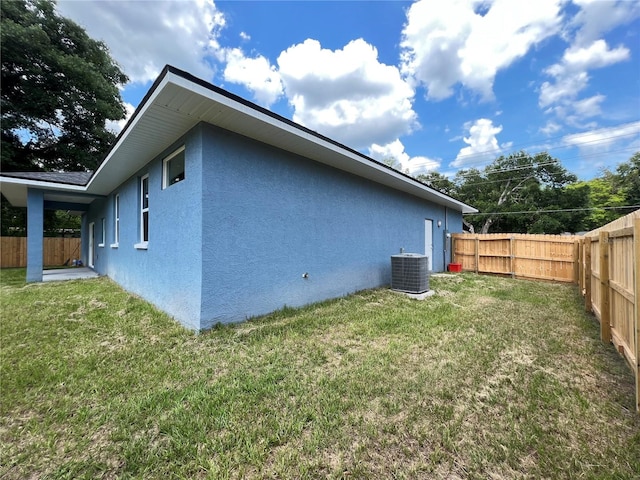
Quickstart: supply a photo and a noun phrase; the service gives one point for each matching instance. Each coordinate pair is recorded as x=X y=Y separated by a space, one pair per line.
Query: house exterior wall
x=234 y=239
x=271 y=216
x=169 y=272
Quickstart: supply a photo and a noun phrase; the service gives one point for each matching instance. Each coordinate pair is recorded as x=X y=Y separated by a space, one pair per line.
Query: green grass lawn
x=490 y=378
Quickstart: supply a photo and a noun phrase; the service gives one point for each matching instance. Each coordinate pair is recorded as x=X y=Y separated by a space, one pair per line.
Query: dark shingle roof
x=67 y=178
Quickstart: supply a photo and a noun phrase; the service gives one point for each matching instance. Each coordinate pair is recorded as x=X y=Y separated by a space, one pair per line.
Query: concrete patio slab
x=59 y=274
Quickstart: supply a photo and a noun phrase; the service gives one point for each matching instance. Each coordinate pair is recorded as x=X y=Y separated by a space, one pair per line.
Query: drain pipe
x=446 y=239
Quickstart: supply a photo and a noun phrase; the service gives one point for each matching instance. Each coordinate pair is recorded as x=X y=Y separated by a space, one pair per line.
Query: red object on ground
x=455 y=267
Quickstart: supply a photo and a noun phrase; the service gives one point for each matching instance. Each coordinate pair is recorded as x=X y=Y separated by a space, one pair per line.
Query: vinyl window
x=173 y=168
x=144 y=213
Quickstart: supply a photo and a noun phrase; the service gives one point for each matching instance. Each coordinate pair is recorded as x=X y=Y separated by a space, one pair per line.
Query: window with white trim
x=173 y=168
x=116 y=221
x=144 y=209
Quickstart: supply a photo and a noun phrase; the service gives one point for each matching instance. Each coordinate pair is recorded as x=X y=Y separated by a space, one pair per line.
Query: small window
x=144 y=209
x=173 y=168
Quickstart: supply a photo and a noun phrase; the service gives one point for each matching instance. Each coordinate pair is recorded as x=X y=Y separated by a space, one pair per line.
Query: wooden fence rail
x=605 y=263
x=56 y=251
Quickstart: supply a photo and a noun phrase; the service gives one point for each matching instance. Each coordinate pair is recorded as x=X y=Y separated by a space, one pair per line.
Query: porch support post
x=35 y=232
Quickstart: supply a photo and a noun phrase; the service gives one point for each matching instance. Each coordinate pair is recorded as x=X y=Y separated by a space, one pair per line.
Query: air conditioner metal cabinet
x=410 y=272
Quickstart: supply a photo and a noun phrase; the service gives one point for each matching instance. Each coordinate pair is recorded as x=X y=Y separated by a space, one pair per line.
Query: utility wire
x=524 y=146
x=498 y=170
x=588 y=155
x=556 y=211
x=553 y=162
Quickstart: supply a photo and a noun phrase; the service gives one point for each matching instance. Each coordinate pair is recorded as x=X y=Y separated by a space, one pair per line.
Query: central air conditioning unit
x=410 y=272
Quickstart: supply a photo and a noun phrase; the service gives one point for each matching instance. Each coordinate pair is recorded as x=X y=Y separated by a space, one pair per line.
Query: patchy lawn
x=490 y=378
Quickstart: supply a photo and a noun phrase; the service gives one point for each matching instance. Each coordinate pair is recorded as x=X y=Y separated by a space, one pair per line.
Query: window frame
x=165 y=169
x=103 y=237
x=143 y=244
x=116 y=220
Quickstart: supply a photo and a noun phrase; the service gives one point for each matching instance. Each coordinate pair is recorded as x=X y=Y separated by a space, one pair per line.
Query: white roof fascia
x=358 y=162
x=208 y=93
x=130 y=126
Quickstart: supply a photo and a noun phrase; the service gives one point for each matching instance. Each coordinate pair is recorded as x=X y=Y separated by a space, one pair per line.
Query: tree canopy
x=613 y=190
x=59 y=88
x=523 y=193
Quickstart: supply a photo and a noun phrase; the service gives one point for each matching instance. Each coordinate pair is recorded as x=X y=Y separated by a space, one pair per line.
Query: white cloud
x=117 y=126
x=144 y=36
x=596 y=55
x=571 y=77
x=565 y=87
x=256 y=74
x=482 y=144
x=347 y=94
x=245 y=36
x=588 y=107
x=586 y=52
x=395 y=150
x=550 y=128
x=469 y=41
x=596 y=17
x=603 y=138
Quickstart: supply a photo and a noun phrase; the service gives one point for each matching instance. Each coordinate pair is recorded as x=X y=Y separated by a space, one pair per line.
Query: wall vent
x=410 y=272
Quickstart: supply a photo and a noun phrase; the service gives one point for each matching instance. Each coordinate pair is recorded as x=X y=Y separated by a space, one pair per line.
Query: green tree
x=627 y=180
x=522 y=183
x=602 y=193
x=612 y=189
x=438 y=182
x=59 y=87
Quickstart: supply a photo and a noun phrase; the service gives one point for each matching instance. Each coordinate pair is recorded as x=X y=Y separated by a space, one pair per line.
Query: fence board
x=543 y=257
x=56 y=251
x=636 y=261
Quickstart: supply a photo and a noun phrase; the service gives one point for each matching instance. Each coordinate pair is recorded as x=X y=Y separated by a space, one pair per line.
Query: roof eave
x=15 y=189
x=204 y=102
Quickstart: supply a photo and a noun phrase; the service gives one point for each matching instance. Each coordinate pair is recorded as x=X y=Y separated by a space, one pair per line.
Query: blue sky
x=436 y=85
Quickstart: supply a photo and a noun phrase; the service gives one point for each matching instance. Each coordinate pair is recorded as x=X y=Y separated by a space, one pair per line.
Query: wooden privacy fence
x=608 y=270
x=13 y=251
x=540 y=257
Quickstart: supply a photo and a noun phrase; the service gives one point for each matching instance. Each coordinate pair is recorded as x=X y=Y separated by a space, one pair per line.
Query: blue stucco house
x=215 y=209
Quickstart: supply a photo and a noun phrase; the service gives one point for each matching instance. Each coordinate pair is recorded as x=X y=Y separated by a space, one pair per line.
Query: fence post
x=587 y=274
x=477 y=254
x=636 y=302
x=454 y=255
x=605 y=308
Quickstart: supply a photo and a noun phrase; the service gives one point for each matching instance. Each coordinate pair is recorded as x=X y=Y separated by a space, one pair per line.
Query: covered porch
x=40 y=191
